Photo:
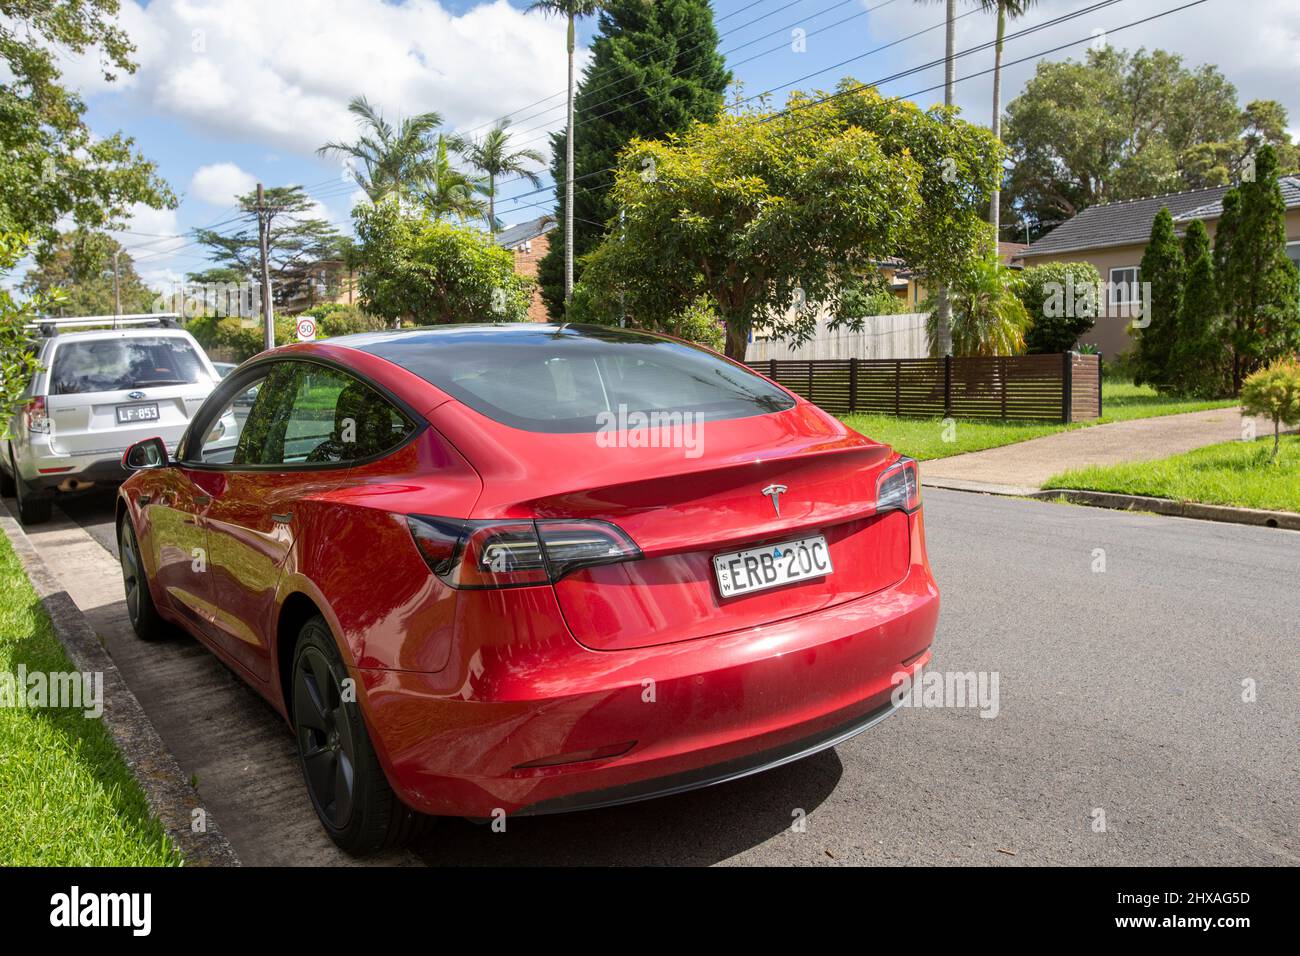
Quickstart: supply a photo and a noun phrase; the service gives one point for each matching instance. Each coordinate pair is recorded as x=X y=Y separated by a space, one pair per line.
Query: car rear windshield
x=110 y=365
x=577 y=378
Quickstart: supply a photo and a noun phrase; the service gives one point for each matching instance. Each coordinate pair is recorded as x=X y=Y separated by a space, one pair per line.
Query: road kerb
x=169 y=795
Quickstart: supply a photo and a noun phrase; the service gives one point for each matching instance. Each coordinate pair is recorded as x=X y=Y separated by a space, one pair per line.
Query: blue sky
x=233 y=91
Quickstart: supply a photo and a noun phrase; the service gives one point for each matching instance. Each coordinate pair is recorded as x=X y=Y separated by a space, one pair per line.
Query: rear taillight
x=899 y=487
x=506 y=554
x=35 y=416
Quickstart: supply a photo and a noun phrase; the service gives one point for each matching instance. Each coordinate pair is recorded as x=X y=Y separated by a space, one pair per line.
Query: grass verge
x=66 y=797
x=925 y=438
x=1234 y=473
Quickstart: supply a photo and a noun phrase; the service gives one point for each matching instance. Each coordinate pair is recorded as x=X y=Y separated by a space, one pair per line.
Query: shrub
x=1061 y=299
x=1274 y=392
x=336 y=318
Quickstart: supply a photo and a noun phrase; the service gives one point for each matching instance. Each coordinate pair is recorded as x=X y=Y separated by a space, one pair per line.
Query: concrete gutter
x=1289 y=520
x=170 y=797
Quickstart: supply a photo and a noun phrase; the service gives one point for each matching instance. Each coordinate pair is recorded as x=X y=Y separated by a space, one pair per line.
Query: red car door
x=300 y=444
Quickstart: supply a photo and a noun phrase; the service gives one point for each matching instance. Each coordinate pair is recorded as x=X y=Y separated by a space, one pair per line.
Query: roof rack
x=50 y=327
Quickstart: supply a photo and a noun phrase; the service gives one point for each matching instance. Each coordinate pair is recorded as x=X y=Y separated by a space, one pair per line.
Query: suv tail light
x=506 y=554
x=35 y=416
x=899 y=487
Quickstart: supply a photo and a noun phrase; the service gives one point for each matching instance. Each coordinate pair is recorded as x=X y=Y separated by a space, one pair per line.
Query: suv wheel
x=32 y=508
x=8 y=487
x=353 y=800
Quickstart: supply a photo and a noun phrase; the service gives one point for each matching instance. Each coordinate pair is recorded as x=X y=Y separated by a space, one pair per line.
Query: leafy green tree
x=1259 y=288
x=386 y=160
x=1162 y=268
x=295 y=239
x=1274 y=392
x=54 y=169
x=1123 y=125
x=988 y=316
x=654 y=69
x=428 y=271
x=17 y=362
x=775 y=216
x=1005 y=9
x=1062 y=300
x=1199 y=362
x=493 y=157
x=80 y=263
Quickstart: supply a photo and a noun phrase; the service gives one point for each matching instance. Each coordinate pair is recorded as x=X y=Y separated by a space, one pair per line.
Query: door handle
x=201 y=499
x=283 y=518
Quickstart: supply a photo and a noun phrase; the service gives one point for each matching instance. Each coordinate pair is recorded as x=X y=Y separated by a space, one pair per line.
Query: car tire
x=32 y=508
x=140 y=609
x=344 y=779
x=8 y=487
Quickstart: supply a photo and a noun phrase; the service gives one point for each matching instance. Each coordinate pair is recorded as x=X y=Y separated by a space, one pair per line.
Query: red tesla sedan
x=530 y=568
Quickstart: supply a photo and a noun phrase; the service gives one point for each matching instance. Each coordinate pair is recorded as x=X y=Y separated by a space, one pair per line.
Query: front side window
x=308 y=414
x=224 y=431
x=112 y=365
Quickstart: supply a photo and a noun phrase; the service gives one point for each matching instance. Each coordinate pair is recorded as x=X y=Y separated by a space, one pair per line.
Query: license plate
x=756 y=569
x=128 y=414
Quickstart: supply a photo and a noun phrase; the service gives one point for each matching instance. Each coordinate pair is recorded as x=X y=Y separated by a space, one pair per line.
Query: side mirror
x=150 y=453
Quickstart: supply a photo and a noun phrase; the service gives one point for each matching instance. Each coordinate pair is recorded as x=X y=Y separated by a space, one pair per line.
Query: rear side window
x=111 y=365
x=307 y=414
x=568 y=379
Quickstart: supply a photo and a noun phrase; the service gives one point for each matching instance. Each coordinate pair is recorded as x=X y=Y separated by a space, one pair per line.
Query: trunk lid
x=681 y=512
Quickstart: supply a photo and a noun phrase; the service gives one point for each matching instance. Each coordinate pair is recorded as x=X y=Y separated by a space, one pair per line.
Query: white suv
x=96 y=393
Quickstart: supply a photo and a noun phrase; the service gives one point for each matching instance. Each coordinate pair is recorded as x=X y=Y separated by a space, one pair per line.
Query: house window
x=1293 y=252
x=1124 y=286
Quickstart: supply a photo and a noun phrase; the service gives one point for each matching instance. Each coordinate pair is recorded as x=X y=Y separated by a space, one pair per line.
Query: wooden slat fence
x=1061 y=388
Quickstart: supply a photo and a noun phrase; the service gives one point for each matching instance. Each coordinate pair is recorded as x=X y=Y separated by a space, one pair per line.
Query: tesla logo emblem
x=775 y=492
x=135 y=395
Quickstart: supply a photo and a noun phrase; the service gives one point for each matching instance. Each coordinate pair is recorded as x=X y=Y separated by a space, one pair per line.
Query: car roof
x=390 y=340
x=100 y=334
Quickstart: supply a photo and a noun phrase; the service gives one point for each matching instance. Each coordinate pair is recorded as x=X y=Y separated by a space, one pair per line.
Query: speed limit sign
x=306 y=329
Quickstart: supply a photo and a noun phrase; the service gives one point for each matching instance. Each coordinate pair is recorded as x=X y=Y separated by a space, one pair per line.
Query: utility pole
x=117 y=287
x=263 y=240
x=943 y=304
x=568 y=181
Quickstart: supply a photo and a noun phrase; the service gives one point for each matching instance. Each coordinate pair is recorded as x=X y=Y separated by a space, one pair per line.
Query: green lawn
x=1234 y=473
x=66 y=798
x=924 y=438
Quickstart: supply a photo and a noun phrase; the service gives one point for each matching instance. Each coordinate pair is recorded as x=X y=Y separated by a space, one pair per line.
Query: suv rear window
x=560 y=379
x=110 y=365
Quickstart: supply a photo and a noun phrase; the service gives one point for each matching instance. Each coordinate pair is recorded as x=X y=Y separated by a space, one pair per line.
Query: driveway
x=1027 y=465
x=1121 y=701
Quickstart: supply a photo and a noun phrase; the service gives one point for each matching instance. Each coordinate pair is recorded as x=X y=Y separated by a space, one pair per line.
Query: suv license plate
x=129 y=414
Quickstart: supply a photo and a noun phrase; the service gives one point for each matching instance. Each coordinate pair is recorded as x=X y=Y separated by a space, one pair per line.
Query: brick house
x=529 y=241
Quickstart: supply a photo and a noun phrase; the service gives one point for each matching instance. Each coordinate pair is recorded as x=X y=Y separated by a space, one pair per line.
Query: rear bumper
x=540 y=724
x=48 y=472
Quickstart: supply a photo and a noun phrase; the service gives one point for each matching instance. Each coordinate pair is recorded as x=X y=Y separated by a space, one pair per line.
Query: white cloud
x=221 y=183
x=282 y=73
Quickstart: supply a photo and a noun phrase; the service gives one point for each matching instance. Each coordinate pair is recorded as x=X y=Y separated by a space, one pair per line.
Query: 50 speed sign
x=306 y=329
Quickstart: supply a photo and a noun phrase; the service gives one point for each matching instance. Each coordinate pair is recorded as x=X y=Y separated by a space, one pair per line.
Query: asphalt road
x=1120 y=703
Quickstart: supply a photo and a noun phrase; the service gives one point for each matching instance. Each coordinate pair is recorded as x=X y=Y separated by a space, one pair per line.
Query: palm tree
x=943 y=304
x=492 y=156
x=1004 y=9
x=988 y=316
x=572 y=9
x=393 y=160
x=446 y=190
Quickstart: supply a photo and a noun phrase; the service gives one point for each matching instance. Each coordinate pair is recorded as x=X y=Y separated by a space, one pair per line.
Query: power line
x=1011 y=36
